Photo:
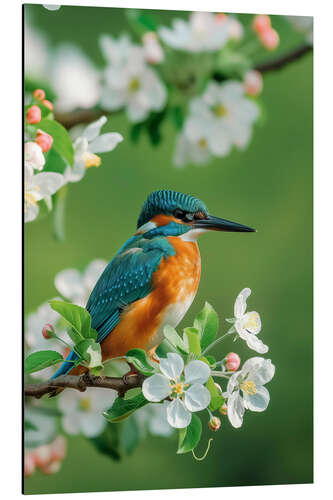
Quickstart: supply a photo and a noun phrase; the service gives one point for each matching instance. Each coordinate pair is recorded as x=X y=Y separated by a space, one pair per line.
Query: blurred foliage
x=269 y=187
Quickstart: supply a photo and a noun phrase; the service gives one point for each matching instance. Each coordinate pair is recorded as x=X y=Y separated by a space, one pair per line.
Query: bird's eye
x=179 y=214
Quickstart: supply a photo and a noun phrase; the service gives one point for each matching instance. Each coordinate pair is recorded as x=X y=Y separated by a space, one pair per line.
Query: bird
x=153 y=279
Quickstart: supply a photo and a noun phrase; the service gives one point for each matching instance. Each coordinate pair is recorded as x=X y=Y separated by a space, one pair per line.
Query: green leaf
x=108 y=442
x=138 y=358
x=193 y=338
x=122 y=408
x=90 y=352
x=61 y=141
x=40 y=360
x=207 y=323
x=141 y=22
x=77 y=318
x=175 y=340
x=190 y=436
x=216 y=399
x=130 y=435
x=54 y=162
x=177 y=115
x=135 y=132
x=212 y=361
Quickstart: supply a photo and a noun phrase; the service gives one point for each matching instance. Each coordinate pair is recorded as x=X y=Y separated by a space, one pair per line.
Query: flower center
x=91 y=160
x=249 y=387
x=178 y=388
x=202 y=143
x=134 y=85
x=85 y=404
x=219 y=110
x=29 y=199
x=252 y=321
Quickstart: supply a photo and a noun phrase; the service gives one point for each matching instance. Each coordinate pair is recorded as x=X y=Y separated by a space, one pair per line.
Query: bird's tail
x=65 y=368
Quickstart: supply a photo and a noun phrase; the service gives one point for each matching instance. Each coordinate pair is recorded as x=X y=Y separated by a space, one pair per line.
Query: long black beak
x=217 y=224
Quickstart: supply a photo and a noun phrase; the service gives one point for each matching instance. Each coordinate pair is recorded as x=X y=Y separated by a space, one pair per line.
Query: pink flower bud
x=51 y=468
x=48 y=104
x=29 y=464
x=39 y=94
x=47 y=331
x=253 y=82
x=223 y=409
x=58 y=449
x=33 y=115
x=221 y=17
x=232 y=362
x=42 y=455
x=270 y=39
x=261 y=23
x=214 y=424
x=44 y=140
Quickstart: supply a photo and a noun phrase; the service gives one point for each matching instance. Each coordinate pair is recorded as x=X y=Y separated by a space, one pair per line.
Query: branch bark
x=280 y=62
x=81 y=382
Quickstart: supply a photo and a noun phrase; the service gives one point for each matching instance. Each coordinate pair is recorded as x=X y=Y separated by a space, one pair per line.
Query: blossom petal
x=197 y=398
x=197 y=372
x=256 y=344
x=178 y=416
x=69 y=283
x=235 y=409
x=258 y=401
x=46 y=184
x=31 y=211
x=156 y=388
x=260 y=370
x=105 y=142
x=92 y=424
x=240 y=303
x=71 y=423
x=233 y=382
x=172 y=366
x=93 y=130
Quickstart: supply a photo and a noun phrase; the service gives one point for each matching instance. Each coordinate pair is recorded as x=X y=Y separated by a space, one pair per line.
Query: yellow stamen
x=219 y=110
x=134 y=85
x=178 y=388
x=91 y=160
x=252 y=321
x=85 y=404
x=29 y=199
x=202 y=143
x=249 y=387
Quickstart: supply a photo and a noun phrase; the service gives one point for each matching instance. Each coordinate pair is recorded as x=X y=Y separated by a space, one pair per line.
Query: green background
x=269 y=186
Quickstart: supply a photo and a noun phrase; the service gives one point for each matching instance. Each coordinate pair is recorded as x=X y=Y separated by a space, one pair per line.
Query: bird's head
x=168 y=213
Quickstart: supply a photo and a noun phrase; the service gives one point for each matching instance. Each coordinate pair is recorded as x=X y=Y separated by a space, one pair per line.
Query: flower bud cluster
x=268 y=36
x=47 y=457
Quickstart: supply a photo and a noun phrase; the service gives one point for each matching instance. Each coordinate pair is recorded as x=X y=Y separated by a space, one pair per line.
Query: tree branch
x=280 y=62
x=78 y=116
x=81 y=382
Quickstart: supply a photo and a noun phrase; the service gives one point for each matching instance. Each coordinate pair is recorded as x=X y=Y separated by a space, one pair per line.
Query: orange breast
x=175 y=284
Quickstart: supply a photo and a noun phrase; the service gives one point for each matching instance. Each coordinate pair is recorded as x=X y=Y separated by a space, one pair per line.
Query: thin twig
x=81 y=382
x=280 y=62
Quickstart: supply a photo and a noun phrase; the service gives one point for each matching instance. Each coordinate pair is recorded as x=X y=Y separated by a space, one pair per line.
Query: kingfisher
x=154 y=277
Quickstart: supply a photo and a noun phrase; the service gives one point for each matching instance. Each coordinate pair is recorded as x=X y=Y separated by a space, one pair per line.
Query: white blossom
x=129 y=81
x=153 y=51
x=36 y=52
x=87 y=145
x=248 y=324
x=246 y=389
x=75 y=80
x=76 y=286
x=218 y=120
x=82 y=411
x=204 y=32
x=186 y=391
x=38 y=187
x=33 y=156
